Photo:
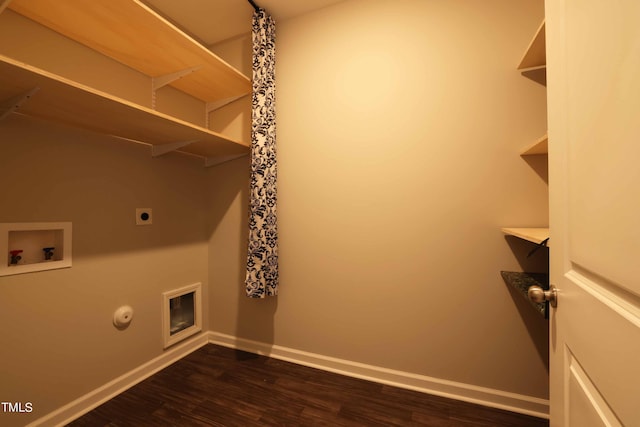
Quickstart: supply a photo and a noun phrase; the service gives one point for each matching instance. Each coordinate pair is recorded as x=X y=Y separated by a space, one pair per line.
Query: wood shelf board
x=133 y=34
x=534 y=235
x=541 y=146
x=67 y=102
x=535 y=55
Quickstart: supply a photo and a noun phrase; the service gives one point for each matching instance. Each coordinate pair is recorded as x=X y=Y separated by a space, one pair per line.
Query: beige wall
x=234 y=119
x=399 y=128
x=57 y=340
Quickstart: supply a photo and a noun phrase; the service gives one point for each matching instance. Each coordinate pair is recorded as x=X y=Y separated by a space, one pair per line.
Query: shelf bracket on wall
x=4 y=4
x=215 y=105
x=218 y=160
x=161 y=81
x=160 y=149
x=13 y=104
x=542 y=244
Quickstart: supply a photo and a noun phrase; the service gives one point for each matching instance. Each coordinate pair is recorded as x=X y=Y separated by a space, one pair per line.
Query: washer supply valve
x=15 y=256
x=48 y=253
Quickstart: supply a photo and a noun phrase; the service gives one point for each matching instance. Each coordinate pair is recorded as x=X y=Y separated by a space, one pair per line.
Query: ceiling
x=211 y=21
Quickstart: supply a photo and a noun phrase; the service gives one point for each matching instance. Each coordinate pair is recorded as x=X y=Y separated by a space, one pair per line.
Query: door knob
x=537 y=294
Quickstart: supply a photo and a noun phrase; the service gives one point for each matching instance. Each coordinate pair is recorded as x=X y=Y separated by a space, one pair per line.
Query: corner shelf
x=521 y=282
x=533 y=64
x=534 y=235
x=134 y=35
x=540 y=146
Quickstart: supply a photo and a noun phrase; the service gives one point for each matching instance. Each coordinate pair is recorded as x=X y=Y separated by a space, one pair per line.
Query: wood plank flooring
x=218 y=386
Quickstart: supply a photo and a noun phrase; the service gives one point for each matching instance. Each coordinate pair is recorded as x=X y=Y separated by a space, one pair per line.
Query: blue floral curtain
x=262 y=256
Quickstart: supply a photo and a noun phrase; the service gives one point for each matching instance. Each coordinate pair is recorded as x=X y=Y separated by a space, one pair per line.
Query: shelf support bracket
x=218 y=160
x=13 y=104
x=4 y=4
x=160 y=149
x=162 y=81
x=214 y=105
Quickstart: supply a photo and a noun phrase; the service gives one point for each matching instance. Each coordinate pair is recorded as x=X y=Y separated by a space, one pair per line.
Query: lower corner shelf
x=521 y=282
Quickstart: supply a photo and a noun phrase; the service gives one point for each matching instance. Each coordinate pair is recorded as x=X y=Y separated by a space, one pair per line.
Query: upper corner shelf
x=541 y=146
x=133 y=34
x=535 y=55
x=533 y=63
x=534 y=235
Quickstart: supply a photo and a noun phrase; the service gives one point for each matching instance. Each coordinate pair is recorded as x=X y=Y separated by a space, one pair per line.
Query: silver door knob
x=537 y=294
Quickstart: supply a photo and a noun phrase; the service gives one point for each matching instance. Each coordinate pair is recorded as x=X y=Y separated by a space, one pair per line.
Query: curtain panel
x=262 y=255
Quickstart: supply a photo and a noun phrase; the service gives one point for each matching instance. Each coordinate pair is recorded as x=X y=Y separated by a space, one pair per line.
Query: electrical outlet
x=144 y=216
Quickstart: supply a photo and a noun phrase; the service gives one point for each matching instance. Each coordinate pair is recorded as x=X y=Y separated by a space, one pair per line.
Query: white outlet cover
x=144 y=216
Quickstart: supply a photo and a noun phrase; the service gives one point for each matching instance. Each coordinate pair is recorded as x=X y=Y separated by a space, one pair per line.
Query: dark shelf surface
x=523 y=281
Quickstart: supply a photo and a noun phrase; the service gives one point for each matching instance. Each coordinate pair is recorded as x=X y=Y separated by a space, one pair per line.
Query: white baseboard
x=92 y=400
x=469 y=393
x=454 y=390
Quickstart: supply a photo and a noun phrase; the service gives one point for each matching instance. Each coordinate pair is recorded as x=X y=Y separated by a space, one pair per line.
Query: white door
x=593 y=66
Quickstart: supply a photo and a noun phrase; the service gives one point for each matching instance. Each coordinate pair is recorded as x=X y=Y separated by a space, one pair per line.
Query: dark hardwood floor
x=217 y=386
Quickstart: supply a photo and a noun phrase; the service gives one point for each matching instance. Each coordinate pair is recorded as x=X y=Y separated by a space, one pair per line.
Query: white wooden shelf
x=541 y=146
x=534 y=235
x=64 y=101
x=133 y=34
